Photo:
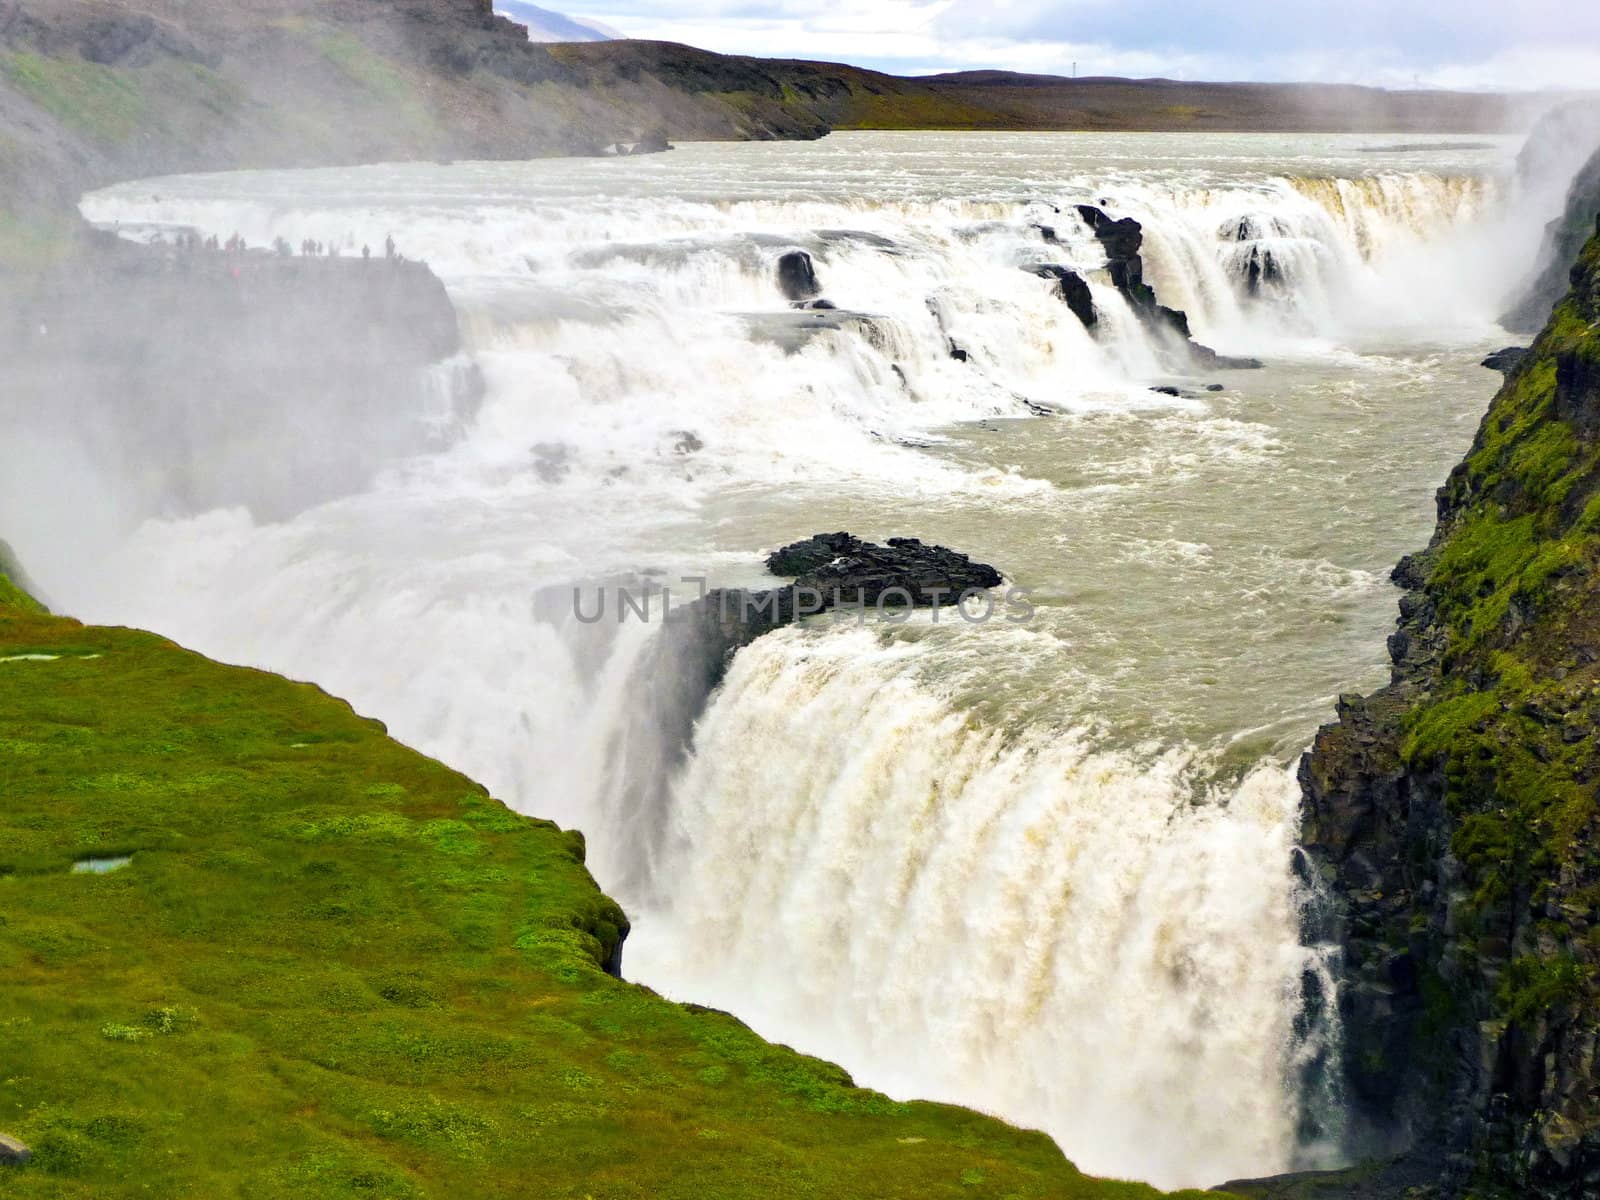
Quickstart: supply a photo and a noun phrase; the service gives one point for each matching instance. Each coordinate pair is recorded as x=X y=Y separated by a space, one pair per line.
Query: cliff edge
x=1454 y=815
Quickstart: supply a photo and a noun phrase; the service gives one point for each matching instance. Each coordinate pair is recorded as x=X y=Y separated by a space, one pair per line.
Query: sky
x=1394 y=43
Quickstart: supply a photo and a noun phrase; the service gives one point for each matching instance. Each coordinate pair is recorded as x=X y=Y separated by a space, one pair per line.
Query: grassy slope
x=335 y=967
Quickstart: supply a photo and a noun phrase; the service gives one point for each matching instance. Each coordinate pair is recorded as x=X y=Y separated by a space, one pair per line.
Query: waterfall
x=1084 y=940
x=1046 y=872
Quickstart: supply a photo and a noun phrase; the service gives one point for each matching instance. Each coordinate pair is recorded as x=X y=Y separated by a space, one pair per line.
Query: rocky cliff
x=191 y=378
x=1563 y=239
x=1453 y=815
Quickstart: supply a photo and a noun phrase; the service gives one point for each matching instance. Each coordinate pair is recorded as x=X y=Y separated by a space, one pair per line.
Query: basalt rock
x=903 y=572
x=1505 y=361
x=797 y=277
x=1072 y=289
x=815 y=551
x=1121 y=240
x=830 y=570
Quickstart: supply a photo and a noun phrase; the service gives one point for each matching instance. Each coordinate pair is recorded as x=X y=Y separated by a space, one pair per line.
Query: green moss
x=1509 y=722
x=336 y=968
x=376 y=75
x=1532 y=986
x=107 y=104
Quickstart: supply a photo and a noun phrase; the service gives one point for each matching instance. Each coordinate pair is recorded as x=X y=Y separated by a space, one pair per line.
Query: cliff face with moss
x=1454 y=814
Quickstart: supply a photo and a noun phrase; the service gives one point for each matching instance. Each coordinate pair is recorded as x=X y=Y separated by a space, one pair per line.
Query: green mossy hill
x=1457 y=812
x=333 y=967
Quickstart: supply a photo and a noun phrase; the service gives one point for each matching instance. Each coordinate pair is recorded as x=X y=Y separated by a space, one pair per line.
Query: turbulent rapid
x=1039 y=867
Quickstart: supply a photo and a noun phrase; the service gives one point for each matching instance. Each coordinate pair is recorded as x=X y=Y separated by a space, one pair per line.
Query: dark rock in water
x=1505 y=361
x=1048 y=234
x=797 y=277
x=816 y=551
x=1261 y=267
x=831 y=570
x=1215 y=387
x=904 y=571
x=793 y=328
x=1121 y=239
x=1205 y=356
x=12 y=1152
x=818 y=306
x=1167 y=390
x=1072 y=289
x=653 y=142
x=957 y=353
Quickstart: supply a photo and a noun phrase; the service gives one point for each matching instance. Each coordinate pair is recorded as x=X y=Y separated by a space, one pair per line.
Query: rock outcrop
x=1072 y=290
x=832 y=571
x=1505 y=361
x=797 y=277
x=1122 y=240
x=1453 y=815
x=197 y=378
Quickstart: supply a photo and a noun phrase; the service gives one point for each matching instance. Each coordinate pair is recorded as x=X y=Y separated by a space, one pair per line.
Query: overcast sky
x=1438 y=43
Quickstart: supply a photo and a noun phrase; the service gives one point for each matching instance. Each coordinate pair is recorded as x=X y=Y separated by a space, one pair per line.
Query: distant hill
x=543 y=25
x=92 y=92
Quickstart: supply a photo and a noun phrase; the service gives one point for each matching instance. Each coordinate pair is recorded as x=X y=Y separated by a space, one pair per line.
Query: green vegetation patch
x=1511 y=725
x=333 y=967
x=106 y=104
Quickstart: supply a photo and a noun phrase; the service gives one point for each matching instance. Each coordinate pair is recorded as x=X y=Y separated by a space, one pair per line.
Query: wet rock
x=653 y=142
x=846 y=570
x=1121 y=241
x=797 y=277
x=12 y=1152
x=815 y=551
x=958 y=353
x=793 y=329
x=818 y=306
x=1072 y=290
x=1505 y=361
x=1205 y=356
x=829 y=570
x=1261 y=267
x=1048 y=233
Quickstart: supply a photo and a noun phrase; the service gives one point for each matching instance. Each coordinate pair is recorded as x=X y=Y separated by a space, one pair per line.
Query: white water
x=1042 y=869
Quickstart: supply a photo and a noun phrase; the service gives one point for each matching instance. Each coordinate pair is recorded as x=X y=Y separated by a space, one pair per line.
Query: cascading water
x=1042 y=868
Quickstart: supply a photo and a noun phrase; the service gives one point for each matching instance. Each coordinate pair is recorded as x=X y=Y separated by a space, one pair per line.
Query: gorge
x=1059 y=869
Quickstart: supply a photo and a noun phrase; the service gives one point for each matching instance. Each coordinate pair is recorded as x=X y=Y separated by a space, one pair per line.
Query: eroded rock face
x=1564 y=238
x=1122 y=239
x=1072 y=289
x=1453 y=815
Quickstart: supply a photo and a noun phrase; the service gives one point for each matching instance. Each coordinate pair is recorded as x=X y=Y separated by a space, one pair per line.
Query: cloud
x=1438 y=43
